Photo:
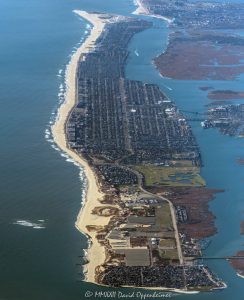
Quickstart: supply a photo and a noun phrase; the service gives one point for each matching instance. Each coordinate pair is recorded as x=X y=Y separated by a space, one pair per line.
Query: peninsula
x=144 y=191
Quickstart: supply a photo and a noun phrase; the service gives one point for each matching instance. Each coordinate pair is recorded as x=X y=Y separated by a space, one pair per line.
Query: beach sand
x=96 y=253
x=142 y=10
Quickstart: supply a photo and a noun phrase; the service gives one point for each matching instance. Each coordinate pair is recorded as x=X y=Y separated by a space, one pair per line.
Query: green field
x=163 y=217
x=171 y=176
x=167 y=246
x=167 y=243
x=169 y=254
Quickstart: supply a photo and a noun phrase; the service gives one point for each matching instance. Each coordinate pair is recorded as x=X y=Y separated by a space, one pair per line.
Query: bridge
x=216 y=257
x=193 y=112
x=195 y=119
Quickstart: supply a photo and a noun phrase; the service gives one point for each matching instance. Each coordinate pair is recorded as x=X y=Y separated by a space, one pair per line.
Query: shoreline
x=59 y=136
x=142 y=10
x=159 y=289
x=239 y=275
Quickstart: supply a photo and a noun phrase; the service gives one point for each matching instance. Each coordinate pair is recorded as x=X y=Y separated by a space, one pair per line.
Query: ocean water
x=41 y=189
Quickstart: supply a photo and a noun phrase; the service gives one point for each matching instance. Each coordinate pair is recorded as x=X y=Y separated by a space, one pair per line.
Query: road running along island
x=145 y=198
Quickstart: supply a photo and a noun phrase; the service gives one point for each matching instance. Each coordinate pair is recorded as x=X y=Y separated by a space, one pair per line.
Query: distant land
x=238 y=264
x=225 y=95
x=202 y=56
x=198 y=47
x=242 y=227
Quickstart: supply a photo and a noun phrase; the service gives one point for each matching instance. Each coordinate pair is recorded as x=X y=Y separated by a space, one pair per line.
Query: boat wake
x=169 y=88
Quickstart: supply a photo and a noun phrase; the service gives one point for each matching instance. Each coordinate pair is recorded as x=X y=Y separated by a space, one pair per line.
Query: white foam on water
x=55 y=147
x=79 y=18
x=136 y=53
x=61 y=87
x=38 y=227
x=169 y=88
x=89 y=243
x=69 y=160
x=60 y=71
x=84 y=186
x=72 y=161
x=27 y=223
x=54 y=116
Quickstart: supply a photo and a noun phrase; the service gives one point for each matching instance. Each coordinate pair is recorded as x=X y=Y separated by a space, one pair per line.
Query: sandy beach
x=142 y=10
x=93 y=194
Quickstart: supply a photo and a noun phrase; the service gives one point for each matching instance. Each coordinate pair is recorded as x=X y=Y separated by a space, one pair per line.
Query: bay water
x=41 y=189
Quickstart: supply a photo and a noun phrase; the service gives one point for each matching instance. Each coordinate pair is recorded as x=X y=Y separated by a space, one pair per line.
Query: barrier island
x=146 y=209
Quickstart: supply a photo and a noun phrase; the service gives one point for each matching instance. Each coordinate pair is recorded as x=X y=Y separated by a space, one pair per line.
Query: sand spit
x=143 y=10
x=96 y=251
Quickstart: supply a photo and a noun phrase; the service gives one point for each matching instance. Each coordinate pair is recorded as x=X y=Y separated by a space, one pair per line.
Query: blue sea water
x=40 y=187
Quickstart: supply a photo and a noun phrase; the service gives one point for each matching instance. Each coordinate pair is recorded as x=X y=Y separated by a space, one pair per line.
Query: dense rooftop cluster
x=229 y=119
x=120 y=120
x=116 y=175
x=160 y=276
